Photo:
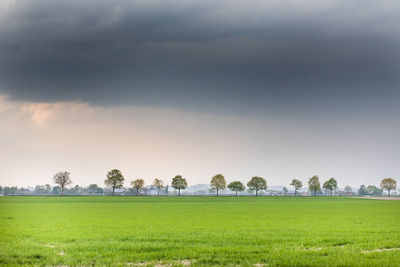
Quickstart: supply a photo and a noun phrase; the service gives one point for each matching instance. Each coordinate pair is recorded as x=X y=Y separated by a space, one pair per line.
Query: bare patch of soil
x=162 y=264
x=379 y=250
x=48 y=245
x=382 y=198
x=313 y=248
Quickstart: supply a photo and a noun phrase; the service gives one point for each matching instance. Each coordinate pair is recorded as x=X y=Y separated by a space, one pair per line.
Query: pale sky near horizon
x=276 y=89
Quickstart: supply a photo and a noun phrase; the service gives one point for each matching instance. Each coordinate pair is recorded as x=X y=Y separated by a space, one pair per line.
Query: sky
x=279 y=89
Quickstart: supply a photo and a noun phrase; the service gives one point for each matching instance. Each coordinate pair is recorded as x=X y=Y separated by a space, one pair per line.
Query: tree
x=362 y=191
x=94 y=189
x=285 y=190
x=348 y=190
x=373 y=190
x=331 y=185
x=76 y=190
x=138 y=184
x=167 y=190
x=297 y=185
x=211 y=190
x=179 y=183
x=257 y=183
x=388 y=184
x=236 y=186
x=218 y=182
x=62 y=179
x=115 y=179
x=13 y=190
x=56 y=190
x=158 y=184
x=9 y=191
x=47 y=188
x=6 y=190
x=314 y=185
x=40 y=190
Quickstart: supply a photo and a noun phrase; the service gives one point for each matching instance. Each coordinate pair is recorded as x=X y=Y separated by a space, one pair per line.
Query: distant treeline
x=257 y=185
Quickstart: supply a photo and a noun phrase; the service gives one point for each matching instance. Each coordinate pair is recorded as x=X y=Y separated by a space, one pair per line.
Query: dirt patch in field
x=163 y=264
x=49 y=246
x=381 y=198
x=380 y=250
x=312 y=248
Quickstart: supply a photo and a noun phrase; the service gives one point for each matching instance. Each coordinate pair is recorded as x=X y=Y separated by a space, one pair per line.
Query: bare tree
x=158 y=184
x=115 y=179
x=62 y=179
x=218 y=182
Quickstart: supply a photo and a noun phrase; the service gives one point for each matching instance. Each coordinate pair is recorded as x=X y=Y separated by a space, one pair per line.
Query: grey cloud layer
x=257 y=53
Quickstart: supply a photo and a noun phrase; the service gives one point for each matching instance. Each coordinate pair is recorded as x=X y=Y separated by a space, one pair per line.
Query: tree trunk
x=315 y=193
x=137 y=191
x=217 y=191
x=331 y=192
x=295 y=191
x=389 y=192
x=158 y=192
x=256 y=192
x=236 y=192
x=179 y=192
x=113 y=190
x=62 y=190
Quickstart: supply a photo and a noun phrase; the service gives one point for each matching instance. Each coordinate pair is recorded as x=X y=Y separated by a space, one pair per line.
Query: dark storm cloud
x=256 y=53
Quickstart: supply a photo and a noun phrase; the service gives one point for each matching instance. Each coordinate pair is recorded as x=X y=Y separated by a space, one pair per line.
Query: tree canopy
x=95 y=189
x=348 y=189
x=115 y=179
x=158 y=184
x=256 y=184
x=218 y=182
x=179 y=183
x=373 y=190
x=388 y=184
x=137 y=184
x=297 y=184
x=331 y=185
x=236 y=186
x=314 y=185
x=362 y=191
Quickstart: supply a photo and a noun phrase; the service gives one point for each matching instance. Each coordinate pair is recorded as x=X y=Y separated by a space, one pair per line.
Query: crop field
x=182 y=231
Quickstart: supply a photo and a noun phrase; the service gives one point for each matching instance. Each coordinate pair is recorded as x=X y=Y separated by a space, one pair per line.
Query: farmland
x=165 y=231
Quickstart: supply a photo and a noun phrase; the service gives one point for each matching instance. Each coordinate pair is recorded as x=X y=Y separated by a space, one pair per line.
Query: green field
x=165 y=231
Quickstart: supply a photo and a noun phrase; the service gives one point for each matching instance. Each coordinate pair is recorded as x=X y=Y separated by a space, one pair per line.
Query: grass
x=245 y=231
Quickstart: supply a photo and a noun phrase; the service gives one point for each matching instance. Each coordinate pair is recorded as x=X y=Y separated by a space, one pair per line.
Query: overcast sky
x=280 y=89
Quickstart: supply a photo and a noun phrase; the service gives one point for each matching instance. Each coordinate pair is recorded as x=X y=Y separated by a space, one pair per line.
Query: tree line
x=115 y=180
